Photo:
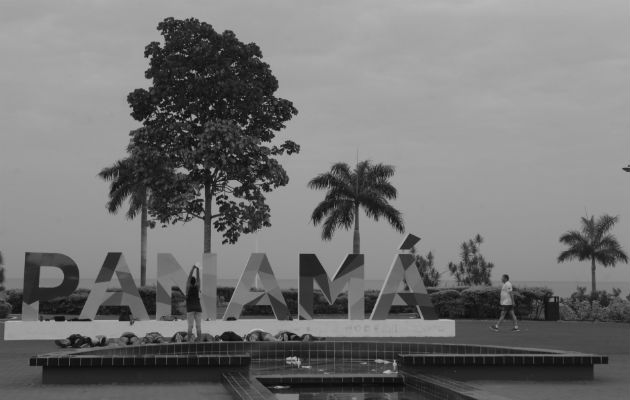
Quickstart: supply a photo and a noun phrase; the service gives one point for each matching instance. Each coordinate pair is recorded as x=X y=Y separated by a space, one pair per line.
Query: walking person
x=507 y=304
x=193 y=305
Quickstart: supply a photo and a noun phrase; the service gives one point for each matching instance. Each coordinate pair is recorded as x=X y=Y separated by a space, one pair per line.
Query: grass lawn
x=19 y=381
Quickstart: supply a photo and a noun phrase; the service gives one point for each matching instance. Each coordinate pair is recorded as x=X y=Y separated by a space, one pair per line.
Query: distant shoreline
x=560 y=288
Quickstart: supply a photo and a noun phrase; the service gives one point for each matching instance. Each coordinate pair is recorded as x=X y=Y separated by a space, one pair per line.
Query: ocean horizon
x=559 y=288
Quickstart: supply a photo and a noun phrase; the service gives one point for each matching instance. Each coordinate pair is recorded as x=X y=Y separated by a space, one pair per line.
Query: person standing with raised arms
x=193 y=305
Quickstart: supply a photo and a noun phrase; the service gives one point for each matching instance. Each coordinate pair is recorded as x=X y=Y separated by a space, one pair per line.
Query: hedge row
x=617 y=309
x=459 y=302
x=5 y=309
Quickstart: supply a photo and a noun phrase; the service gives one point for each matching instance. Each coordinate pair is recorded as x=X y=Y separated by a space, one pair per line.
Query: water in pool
x=295 y=365
x=366 y=392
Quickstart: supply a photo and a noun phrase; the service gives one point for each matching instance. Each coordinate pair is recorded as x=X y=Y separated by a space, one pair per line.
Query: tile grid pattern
x=412 y=354
x=244 y=388
x=448 y=389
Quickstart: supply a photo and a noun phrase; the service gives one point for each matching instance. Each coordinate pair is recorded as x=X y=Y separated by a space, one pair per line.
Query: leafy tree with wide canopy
x=472 y=269
x=593 y=242
x=366 y=186
x=211 y=115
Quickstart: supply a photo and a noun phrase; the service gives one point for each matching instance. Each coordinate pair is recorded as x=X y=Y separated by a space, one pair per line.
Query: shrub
x=458 y=289
x=5 y=309
x=481 y=302
x=14 y=298
x=455 y=302
x=448 y=304
x=530 y=301
x=619 y=310
x=225 y=292
x=73 y=304
x=567 y=313
x=598 y=306
x=600 y=296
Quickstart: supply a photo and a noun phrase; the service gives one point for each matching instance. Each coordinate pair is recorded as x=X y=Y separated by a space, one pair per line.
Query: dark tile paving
x=323 y=363
x=242 y=353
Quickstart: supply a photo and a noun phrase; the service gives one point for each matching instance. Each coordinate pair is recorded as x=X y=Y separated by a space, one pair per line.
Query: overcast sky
x=506 y=118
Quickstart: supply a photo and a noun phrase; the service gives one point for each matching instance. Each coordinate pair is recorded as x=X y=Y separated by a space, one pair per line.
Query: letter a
x=129 y=296
x=404 y=268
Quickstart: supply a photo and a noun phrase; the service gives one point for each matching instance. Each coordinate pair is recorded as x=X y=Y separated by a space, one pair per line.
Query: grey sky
x=507 y=118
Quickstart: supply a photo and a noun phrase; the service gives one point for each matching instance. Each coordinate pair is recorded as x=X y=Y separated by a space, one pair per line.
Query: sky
x=506 y=118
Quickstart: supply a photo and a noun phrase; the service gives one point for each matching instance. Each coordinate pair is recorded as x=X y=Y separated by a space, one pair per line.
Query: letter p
x=32 y=294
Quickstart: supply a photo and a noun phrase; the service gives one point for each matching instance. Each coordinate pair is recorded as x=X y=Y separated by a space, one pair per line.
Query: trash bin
x=552 y=308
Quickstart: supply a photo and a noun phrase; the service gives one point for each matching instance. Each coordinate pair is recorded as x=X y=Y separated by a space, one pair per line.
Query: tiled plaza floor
x=19 y=381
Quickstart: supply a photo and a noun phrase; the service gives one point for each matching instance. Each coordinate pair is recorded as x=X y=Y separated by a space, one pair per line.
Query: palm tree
x=126 y=183
x=595 y=243
x=1 y=274
x=366 y=186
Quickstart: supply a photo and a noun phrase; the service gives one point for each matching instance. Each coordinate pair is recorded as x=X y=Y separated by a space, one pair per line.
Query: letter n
x=171 y=274
x=258 y=264
x=350 y=272
x=128 y=296
x=33 y=294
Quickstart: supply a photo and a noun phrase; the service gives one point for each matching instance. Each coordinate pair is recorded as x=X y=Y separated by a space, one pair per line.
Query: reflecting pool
x=366 y=392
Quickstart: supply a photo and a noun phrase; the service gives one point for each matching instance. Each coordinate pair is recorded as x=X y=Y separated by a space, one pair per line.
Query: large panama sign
x=170 y=273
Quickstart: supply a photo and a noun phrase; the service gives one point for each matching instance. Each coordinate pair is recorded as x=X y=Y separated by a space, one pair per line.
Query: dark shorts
x=193 y=307
x=507 y=308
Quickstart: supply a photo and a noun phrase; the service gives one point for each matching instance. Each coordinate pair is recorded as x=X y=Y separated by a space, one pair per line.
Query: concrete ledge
x=42 y=330
x=510 y=373
x=77 y=375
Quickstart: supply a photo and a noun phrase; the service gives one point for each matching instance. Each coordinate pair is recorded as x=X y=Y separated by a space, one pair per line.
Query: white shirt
x=506 y=299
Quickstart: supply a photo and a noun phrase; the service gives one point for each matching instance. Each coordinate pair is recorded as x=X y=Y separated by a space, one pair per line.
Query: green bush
x=481 y=302
x=14 y=297
x=567 y=313
x=573 y=309
x=458 y=289
x=455 y=302
x=73 y=304
x=225 y=293
x=5 y=309
x=530 y=301
x=619 y=310
x=448 y=303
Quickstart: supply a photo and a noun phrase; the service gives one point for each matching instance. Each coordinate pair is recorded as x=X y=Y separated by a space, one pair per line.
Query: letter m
x=350 y=273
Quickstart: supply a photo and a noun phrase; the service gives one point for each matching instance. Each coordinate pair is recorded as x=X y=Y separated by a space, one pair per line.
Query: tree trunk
x=207 y=219
x=356 y=240
x=143 y=243
x=594 y=285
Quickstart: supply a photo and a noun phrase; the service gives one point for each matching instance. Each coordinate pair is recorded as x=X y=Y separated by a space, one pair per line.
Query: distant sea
x=560 y=288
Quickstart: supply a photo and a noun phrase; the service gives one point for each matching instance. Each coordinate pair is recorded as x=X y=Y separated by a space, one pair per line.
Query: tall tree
x=366 y=186
x=472 y=269
x=212 y=113
x=129 y=181
x=593 y=242
x=426 y=268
